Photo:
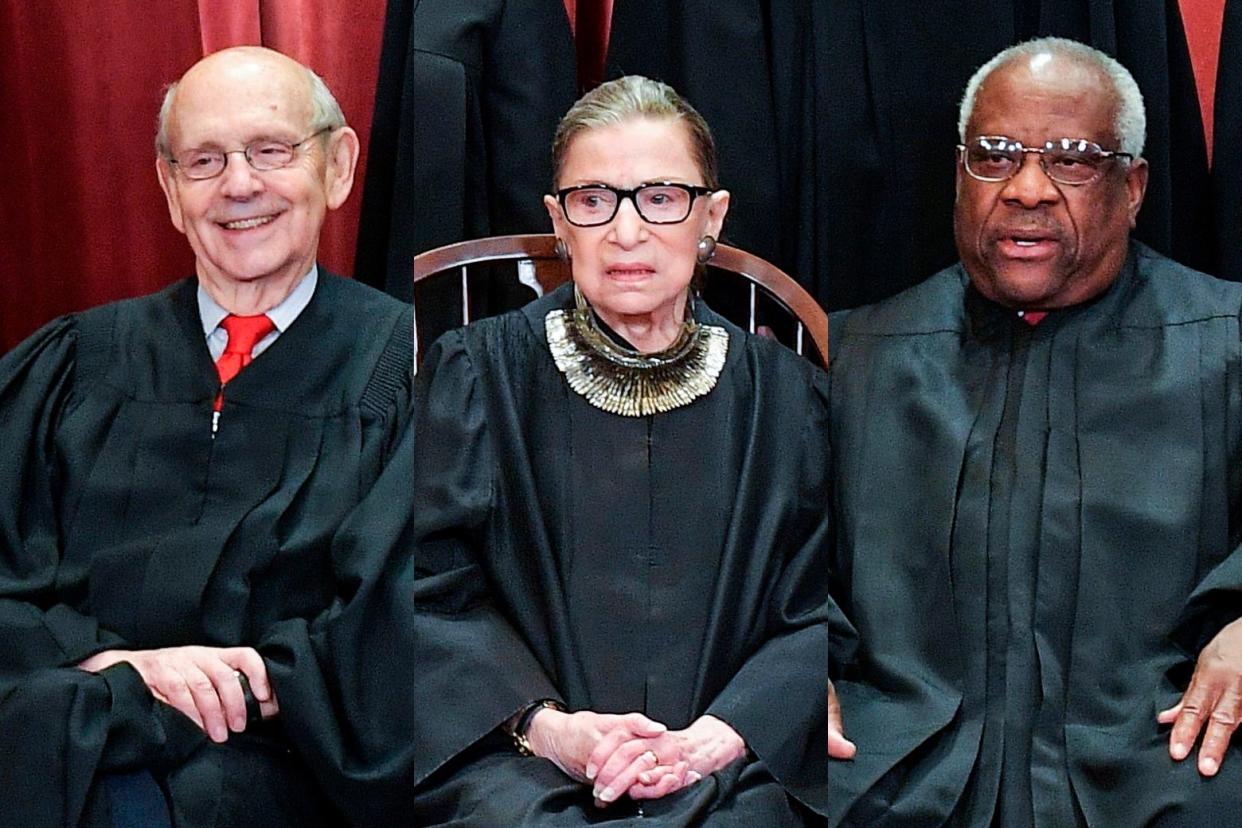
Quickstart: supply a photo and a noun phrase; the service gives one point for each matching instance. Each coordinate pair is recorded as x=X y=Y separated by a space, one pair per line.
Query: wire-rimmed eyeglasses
x=1072 y=161
x=263 y=155
x=660 y=202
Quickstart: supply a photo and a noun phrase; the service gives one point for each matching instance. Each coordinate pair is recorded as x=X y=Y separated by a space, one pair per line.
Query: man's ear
x=164 y=172
x=342 y=160
x=1136 y=187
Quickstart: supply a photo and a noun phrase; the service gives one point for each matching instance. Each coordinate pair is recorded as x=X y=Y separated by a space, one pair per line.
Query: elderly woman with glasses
x=618 y=522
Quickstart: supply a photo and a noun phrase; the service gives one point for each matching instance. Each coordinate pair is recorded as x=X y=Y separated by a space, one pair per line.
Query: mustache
x=1044 y=227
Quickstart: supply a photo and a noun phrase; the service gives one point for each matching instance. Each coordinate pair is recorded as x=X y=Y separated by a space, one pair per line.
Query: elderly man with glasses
x=1038 y=472
x=174 y=469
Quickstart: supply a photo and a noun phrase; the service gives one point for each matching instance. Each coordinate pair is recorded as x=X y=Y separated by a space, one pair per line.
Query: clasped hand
x=1212 y=702
x=630 y=754
x=200 y=682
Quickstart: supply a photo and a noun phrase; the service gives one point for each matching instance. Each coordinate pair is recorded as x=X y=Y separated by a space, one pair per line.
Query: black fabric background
x=835 y=119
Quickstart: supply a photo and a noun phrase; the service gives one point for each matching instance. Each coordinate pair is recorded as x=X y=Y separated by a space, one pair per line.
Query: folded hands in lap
x=200 y=682
x=630 y=754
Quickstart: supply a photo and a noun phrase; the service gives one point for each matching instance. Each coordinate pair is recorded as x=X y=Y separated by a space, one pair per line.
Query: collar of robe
x=625 y=381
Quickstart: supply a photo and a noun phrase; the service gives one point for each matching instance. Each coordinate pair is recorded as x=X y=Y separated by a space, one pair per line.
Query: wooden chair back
x=767 y=291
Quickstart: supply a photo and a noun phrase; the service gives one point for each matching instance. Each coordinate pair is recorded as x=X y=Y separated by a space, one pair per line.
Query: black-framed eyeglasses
x=1072 y=161
x=660 y=202
x=263 y=155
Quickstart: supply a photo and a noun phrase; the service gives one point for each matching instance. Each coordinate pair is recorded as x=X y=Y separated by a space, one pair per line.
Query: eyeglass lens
x=658 y=204
x=1067 y=161
x=262 y=155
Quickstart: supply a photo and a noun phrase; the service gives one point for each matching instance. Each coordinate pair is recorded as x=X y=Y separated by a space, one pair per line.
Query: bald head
x=248 y=67
x=1056 y=60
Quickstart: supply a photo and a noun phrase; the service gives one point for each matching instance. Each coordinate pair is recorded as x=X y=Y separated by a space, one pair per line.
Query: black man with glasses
x=175 y=467
x=1038 y=476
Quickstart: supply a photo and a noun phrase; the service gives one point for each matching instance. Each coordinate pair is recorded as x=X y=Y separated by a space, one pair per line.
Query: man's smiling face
x=247 y=225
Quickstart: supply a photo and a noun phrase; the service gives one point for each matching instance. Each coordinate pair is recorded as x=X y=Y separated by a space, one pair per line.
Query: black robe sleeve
x=394 y=664
x=36 y=630
x=105 y=722
x=343 y=678
x=464 y=640
x=1216 y=600
x=790 y=741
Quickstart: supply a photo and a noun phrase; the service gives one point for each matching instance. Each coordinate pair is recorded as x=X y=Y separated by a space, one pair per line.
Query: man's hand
x=200 y=682
x=569 y=740
x=838 y=746
x=652 y=767
x=1212 y=701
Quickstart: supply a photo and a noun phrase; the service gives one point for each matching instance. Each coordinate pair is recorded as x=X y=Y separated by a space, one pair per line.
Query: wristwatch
x=521 y=723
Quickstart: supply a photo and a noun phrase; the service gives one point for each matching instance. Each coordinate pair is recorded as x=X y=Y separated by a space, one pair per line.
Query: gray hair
x=1130 y=124
x=325 y=111
x=634 y=96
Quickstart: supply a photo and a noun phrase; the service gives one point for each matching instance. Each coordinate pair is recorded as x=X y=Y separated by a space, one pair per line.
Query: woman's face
x=629 y=268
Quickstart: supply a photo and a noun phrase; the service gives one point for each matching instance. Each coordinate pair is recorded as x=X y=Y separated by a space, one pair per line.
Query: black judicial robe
x=468 y=97
x=672 y=565
x=1036 y=534
x=125 y=525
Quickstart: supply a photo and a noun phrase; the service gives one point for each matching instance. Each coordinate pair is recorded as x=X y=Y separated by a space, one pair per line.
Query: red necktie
x=244 y=333
x=1033 y=318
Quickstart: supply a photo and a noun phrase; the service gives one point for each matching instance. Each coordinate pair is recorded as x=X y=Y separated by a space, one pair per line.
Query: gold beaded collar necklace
x=627 y=382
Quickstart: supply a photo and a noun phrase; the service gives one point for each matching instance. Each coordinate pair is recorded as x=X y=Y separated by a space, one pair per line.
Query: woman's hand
x=654 y=766
x=570 y=740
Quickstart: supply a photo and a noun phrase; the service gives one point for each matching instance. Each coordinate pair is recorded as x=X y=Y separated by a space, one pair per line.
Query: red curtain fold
x=591 y=21
x=225 y=23
x=1202 y=20
x=82 y=218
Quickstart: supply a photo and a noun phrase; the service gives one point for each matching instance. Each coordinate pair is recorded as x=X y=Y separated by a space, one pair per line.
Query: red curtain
x=1202 y=20
x=82 y=219
x=591 y=21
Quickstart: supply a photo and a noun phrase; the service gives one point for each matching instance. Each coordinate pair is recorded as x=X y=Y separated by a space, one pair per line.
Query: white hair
x=325 y=111
x=1130 y=124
